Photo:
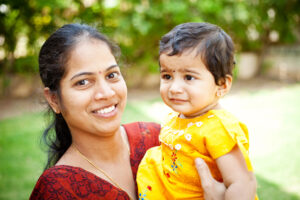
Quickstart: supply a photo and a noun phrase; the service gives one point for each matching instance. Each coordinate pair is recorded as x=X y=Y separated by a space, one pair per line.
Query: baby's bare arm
x=240 y=183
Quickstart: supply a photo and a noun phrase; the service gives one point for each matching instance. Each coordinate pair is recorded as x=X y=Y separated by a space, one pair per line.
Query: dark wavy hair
x=53 y=57
x=211 y=42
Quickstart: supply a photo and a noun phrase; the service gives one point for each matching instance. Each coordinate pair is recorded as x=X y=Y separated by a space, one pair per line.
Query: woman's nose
x=104 y=91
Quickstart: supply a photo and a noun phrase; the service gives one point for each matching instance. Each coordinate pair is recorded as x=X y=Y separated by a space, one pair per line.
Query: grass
x=21 y=157
x=272 y=116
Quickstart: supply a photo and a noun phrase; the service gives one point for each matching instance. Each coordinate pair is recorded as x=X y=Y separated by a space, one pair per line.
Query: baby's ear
x=224 y=86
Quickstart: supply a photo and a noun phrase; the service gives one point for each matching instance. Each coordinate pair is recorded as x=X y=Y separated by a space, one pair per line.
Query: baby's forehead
x=183 y=61
x=195 y=51
x=191 y=54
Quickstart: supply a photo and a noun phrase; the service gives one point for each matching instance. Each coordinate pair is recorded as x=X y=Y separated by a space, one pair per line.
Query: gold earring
x=56 y=111
x=219 y=93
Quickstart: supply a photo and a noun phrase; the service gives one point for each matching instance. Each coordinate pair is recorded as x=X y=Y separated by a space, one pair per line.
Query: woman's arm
x=239 y=181
x=213 y=190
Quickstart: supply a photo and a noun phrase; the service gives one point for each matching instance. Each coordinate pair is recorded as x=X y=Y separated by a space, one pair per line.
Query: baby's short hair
x=210 y=41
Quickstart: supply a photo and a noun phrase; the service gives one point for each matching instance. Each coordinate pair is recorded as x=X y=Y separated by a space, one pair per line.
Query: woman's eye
x=82 y=82
x=112 y=75
x=166 y=76
x=189 y=77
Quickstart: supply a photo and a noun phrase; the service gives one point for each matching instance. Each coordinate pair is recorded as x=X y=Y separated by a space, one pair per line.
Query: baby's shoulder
x=223 y=118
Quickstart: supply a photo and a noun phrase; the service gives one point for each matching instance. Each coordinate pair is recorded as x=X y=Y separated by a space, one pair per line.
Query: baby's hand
x=213 y=190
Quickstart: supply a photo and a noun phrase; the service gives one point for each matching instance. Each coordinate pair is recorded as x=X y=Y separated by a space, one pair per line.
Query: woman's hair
x=53 y=57
x=210 y=41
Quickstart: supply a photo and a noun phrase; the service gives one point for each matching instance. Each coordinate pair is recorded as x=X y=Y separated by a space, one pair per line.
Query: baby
x=196 y=62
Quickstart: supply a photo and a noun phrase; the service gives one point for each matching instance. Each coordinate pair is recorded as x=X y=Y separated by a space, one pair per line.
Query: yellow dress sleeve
x=224 y=134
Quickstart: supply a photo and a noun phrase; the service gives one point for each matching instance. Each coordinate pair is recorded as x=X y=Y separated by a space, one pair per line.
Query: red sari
x=67 y=182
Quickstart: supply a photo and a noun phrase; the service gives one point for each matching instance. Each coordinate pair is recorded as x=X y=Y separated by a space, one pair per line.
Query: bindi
x=100 y=72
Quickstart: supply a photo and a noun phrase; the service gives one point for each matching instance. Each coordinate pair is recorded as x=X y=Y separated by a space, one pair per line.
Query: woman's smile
x=106 y=112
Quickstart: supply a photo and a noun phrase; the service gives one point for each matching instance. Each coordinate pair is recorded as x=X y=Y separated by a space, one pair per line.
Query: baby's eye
x=189 y=77
x=166 y=76
x=112 y=75
x=82 y=82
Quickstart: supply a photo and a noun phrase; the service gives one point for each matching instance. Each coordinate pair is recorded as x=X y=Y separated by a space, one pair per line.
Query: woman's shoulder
x=143 y=132
x=141 y=136
x=51 y=182
x=60 y=172
x=55 y=182
x=57 y=173
x=142 y=126
x=68 y=182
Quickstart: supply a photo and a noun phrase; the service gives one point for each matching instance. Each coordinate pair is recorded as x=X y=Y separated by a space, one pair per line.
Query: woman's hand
x=213 y=190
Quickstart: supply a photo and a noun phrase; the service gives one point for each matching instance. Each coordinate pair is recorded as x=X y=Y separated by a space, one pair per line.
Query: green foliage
x=24 y=65
x=137 y=26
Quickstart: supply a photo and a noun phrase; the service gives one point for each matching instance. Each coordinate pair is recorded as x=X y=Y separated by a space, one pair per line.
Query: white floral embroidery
x=178 y=147
x=190 y=124
x=199 y=124
x=180 y=133
x=188 y=137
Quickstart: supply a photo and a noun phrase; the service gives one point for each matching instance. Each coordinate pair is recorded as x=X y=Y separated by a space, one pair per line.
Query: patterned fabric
x=67 y=182
x=168 y=171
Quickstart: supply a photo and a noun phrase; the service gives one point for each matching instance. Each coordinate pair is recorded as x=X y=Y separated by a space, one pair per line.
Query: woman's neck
x=101 y=148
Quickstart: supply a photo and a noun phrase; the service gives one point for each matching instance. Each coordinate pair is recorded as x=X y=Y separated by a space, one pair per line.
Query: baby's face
x=186 y=85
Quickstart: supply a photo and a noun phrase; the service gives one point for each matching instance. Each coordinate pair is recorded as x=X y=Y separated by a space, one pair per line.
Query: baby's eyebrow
x=165 y=69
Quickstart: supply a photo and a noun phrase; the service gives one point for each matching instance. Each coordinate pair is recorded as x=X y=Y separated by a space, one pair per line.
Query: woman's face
x=93 y=91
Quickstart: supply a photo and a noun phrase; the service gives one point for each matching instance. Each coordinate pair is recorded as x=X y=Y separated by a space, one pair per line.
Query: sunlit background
x=265 y=95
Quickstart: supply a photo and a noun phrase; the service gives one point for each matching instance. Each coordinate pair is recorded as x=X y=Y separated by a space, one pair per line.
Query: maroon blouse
x=67 y=182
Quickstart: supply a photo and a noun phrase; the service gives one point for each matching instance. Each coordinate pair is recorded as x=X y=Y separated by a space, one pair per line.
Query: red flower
x=149 y=187
x=168 y=175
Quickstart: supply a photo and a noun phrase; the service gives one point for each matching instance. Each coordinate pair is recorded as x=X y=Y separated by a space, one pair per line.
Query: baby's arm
x=240 y=183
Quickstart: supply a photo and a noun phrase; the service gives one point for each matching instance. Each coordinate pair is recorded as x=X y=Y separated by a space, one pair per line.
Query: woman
x=91 y=155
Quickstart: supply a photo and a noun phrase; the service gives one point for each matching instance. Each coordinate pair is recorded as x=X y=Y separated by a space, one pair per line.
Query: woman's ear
x=52 y=99
x=224 y=86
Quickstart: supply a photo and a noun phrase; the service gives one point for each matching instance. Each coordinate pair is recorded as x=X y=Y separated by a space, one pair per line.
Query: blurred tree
x=137 y=25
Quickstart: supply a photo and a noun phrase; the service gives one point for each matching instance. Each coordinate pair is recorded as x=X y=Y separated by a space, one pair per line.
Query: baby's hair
x=215 y=47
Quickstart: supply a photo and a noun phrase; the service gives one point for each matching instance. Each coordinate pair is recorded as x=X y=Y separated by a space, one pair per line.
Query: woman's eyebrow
x=91 y=73
x=190 y=71
x=112 y=66
x=81 y=74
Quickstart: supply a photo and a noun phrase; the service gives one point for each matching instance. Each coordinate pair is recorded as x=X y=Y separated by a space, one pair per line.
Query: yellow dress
x=168 y=171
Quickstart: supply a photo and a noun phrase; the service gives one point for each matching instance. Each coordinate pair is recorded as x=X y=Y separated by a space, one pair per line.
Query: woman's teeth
x=106 y=110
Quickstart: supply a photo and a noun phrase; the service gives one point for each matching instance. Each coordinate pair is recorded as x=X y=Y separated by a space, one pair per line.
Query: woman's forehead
x=90 y=55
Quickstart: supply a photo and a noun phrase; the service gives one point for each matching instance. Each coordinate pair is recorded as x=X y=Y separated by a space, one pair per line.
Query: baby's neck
x=215 y=106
